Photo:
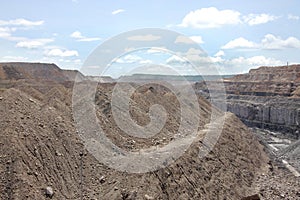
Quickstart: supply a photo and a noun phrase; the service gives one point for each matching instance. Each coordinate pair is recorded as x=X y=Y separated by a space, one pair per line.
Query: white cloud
x=209 y=64
x=21 y=22
x=219 y=54
x=13 y=59
x=89 y=39
x=254 y=61
x=145 y=61
x=213 y=18
x=5 y=32
x=117 y=11
x=189 y=40
x=129 y=59
x=156 y=50
x=56 y=52
x=272 y=42
x=193 y=51
x=215 y=59
x=255 y=19
x=244 y=64
x=192 y=55
x=175 y=60
x=7 y=27
x=210 y=18
x=148 y=37
x=183 y=39
x=293 y=17
x=34 y=43
x=239 y=43
x=77 y=35
x=268 y=42
x=197 y=39
x=77 y=61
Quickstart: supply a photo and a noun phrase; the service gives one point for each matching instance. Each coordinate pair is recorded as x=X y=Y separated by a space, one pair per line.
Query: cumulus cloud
x=189 y=40
x=219 y=54
x=273 y=42
x=175 y=60
x=13 y=59
x=20 y=22
x=197 y=39
x=156 y=50
x=239 y=43
x=76 y=35
x=8 y=27
x=254 y=61
x=115 y=12
x=293 y=17
x=129 y=59
x=244 y=64
x=183 y=39
x=191 y=55
x=210 y=18
x=79 y=37
x=148 y=37
x=56 y=52
x=34 y=43
x=269 y=41
x=5 y=32
x=255 y=19
x=213 y=18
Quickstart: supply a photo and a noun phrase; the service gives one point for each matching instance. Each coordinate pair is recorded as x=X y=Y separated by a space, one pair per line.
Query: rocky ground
x=279 y=182
x=43 y=157
x=40 y=150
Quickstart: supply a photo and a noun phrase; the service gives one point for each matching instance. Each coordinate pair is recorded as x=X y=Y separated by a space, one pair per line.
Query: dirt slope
x=40 y=148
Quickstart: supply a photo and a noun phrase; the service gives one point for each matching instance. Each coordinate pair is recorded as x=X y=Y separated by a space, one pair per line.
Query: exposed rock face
x=274 y=113
x=267 y=97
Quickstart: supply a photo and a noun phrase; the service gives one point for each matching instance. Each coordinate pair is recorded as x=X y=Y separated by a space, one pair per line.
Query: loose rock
x=49 y=192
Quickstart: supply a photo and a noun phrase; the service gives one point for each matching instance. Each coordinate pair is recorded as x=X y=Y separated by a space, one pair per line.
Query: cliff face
x=267 y=81
x=274 y=113
x=267 y=97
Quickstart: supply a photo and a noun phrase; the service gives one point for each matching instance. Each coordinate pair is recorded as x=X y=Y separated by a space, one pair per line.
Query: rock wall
x=267 y=97
x=274 y=113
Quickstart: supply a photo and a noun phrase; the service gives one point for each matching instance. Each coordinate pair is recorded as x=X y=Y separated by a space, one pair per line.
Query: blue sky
x=236 y=35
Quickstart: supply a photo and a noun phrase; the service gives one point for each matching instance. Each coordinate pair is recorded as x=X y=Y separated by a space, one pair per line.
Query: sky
x=235 y=35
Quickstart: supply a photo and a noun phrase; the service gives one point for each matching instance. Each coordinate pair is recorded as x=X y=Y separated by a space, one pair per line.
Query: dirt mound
x=40 y=148
x=72 y=74
x=36 y=71
x=37 y=148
